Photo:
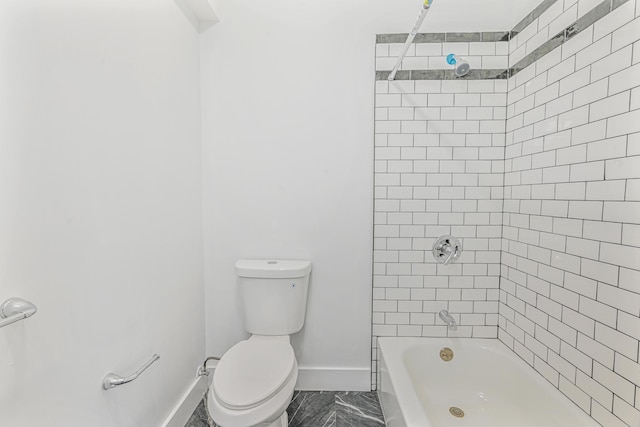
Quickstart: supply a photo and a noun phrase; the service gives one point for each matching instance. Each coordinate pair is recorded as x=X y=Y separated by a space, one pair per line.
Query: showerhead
x=461 y=66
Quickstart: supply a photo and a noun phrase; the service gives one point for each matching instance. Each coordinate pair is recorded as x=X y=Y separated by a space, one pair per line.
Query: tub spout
x=448 y=319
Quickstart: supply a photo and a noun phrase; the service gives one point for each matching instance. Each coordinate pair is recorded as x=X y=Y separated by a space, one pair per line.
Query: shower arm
x=412 y=35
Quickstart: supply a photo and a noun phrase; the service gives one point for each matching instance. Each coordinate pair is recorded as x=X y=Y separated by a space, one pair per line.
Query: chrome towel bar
x=15 y=309
x=113 y=380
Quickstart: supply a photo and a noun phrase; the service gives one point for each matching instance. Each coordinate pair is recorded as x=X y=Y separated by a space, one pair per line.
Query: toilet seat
x=261 y=415
x=253 y=371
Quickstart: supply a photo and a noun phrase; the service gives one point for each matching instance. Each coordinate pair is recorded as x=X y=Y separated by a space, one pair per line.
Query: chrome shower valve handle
x=447 y=249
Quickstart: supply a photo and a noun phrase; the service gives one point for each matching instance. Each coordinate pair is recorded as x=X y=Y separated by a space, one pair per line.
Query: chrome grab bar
x=113 y=380
x=15 y=309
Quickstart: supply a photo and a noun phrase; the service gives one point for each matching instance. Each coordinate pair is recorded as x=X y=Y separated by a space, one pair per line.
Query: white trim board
x=188 y=403
x=334 y=379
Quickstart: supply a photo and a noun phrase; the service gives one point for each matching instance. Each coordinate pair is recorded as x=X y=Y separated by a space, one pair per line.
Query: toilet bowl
x=253 y=383
x=254 y=380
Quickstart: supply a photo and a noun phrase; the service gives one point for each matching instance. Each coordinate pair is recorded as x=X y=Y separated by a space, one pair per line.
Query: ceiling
x=457 y=15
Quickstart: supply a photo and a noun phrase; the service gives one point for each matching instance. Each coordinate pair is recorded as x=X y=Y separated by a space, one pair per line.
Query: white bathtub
x=485 y=379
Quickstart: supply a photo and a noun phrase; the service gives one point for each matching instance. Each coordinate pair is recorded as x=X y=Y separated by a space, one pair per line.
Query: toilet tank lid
x=274 y=269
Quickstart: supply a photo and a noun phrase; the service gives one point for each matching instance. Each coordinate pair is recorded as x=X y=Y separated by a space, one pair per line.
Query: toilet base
x=282 y=421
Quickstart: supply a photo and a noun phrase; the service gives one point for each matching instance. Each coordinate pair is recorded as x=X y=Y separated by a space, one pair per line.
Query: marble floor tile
x=312 y=409
x=320 y=409
x=200 y=417
x=360 y=409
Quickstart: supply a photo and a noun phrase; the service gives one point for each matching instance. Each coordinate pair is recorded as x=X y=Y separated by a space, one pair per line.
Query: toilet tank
x=274 y=295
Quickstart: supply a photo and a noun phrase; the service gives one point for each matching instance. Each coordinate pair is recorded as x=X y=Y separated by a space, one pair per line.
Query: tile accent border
x=444 y=75
x=535 y=13
x=598 y=12
x=445 y=37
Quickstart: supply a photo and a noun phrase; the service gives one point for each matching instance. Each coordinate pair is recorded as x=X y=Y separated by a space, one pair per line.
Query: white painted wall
x=100 y=209
x=288 y=157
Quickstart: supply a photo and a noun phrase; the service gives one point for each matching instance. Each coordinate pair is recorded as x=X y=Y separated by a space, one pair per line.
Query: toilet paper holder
x=114 y=380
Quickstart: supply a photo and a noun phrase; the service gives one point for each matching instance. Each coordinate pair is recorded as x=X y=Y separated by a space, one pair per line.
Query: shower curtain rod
x=412 y=35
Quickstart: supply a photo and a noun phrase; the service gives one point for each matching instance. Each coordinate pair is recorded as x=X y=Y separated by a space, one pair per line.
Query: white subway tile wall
x=563 y=305
x=432 y=56
x=539 y=175
x=439 y=150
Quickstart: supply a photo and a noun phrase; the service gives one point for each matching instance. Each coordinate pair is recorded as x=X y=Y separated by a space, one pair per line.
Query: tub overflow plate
x=446 y=354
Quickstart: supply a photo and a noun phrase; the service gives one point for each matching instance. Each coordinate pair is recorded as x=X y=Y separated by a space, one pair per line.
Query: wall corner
x=203 y=14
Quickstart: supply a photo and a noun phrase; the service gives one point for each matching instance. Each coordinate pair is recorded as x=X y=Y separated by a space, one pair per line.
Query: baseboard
x=334 y=379
x=188 y=403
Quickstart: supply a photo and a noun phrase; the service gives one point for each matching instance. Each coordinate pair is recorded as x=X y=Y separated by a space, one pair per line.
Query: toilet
x=254 y=381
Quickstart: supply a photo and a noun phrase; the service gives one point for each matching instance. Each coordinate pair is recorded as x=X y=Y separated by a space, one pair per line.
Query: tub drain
x=446 y=354
x=456 y=412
